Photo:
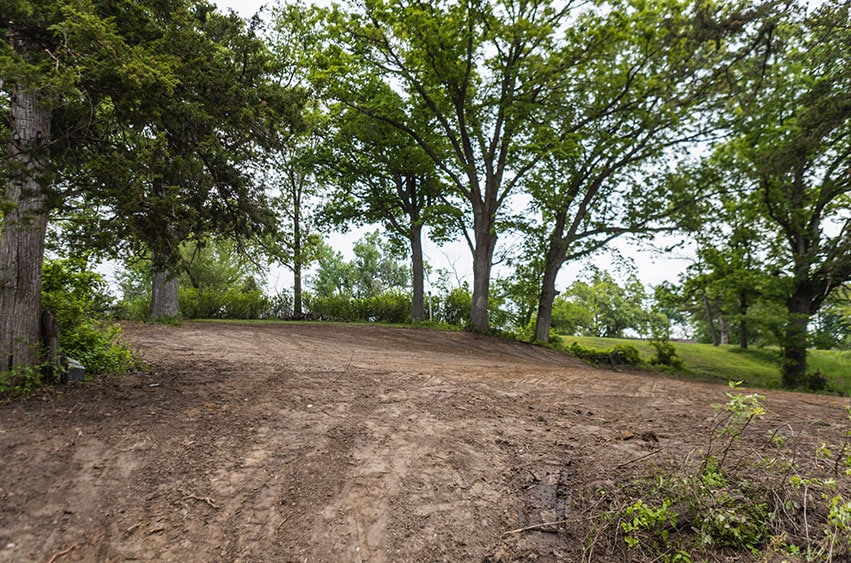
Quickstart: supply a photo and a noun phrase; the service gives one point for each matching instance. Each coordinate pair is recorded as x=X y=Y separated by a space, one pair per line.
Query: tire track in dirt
x=318 y=442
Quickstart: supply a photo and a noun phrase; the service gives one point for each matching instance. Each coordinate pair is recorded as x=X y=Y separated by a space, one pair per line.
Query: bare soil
x=321 y=442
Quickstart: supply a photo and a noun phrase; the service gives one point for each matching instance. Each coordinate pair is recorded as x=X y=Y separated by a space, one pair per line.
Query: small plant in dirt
x=743 y=497
x=18 y=382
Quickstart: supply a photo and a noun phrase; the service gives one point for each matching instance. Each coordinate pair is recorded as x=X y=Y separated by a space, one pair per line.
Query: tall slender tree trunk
x=298 y=290
x=297 y=258
x=164 y=285
x=417 y=273
x=24 y=230
x=799 y=308
x=744 y=334
x=710 y=321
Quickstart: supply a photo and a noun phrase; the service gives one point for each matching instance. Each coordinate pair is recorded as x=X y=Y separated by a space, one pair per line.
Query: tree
x=291 y=172
x=792 y=126
x=472 y=78
x=383 y=177
x=53 y=56
x=635 y=83
x=602 y=307
x=180 y=171
x=374 y=270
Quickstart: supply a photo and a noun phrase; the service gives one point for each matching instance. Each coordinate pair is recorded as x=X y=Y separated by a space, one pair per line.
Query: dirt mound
x=320 y=442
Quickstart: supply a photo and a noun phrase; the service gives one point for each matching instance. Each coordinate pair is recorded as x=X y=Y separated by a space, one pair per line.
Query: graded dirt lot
x=325 y=442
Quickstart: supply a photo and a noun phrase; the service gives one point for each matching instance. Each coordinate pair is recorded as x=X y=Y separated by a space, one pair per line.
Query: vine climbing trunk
x=24 y=230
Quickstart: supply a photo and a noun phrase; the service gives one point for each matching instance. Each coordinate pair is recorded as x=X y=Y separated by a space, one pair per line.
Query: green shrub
x=619 y=355
x=79 y=300
x=455 y=307
x=388 y=307
x=19 y=382
x=666 y=354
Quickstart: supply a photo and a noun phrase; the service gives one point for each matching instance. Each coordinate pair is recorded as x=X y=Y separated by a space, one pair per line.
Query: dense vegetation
x=538 y=132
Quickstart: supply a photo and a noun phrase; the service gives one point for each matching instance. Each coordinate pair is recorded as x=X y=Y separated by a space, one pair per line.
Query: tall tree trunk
x=164 y=285
x=744 y=335
x=297 y=259
x=548 y=293
x=24 y=230
x=710 y=320
x=298 y=291
x=725 y=330
x=418 y=273
x=482 y=264
x=799 y=307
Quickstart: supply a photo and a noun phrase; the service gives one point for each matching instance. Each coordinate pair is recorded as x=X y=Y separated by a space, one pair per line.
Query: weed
x=733 y=500
x=19 y=382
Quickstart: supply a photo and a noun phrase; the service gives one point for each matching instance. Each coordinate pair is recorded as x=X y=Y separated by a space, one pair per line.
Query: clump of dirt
x=321 y=442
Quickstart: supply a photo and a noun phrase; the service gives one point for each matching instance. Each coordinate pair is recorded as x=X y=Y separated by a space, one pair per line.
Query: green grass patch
x=755 y=367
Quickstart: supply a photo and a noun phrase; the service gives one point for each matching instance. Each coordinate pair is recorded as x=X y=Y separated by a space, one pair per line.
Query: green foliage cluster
x=666 y=354
x=617 y=355
x=20 y=381
x=388 y=307
x=375 y=269
x=734 y=498
x=602 y=306
x=80 y=302
x=232 y=303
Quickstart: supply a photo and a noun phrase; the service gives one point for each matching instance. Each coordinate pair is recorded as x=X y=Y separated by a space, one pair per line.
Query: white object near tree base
x=76 y=370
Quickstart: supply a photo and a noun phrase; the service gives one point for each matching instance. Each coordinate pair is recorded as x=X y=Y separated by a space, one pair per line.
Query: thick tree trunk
x=417 y=273
x=482 y=264
x=725 y=331
x=548 y=294
x=23 y=232
x=164 y=284
x=799 y=307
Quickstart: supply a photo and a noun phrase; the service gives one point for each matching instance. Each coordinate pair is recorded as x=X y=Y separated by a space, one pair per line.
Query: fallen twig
x=654 y=452
x=537 y=526
x=62 y=553
x=208 y=500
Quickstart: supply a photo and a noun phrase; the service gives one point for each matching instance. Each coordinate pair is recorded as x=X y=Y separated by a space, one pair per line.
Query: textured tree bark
x=482 y=264
x=297 y=259
x=548 y=294
x=799 y=308
x=23 y=232
x=418 y=273
x=725 y=331
x=164 y=295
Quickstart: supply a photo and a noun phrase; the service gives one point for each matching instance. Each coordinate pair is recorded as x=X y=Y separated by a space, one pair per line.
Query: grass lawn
x=755 y=367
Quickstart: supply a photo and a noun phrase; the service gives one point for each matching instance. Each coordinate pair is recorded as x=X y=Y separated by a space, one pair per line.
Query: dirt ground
x=321 y=442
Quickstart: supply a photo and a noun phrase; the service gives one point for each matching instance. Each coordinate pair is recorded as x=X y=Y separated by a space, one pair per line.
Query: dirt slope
x=318 y=442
